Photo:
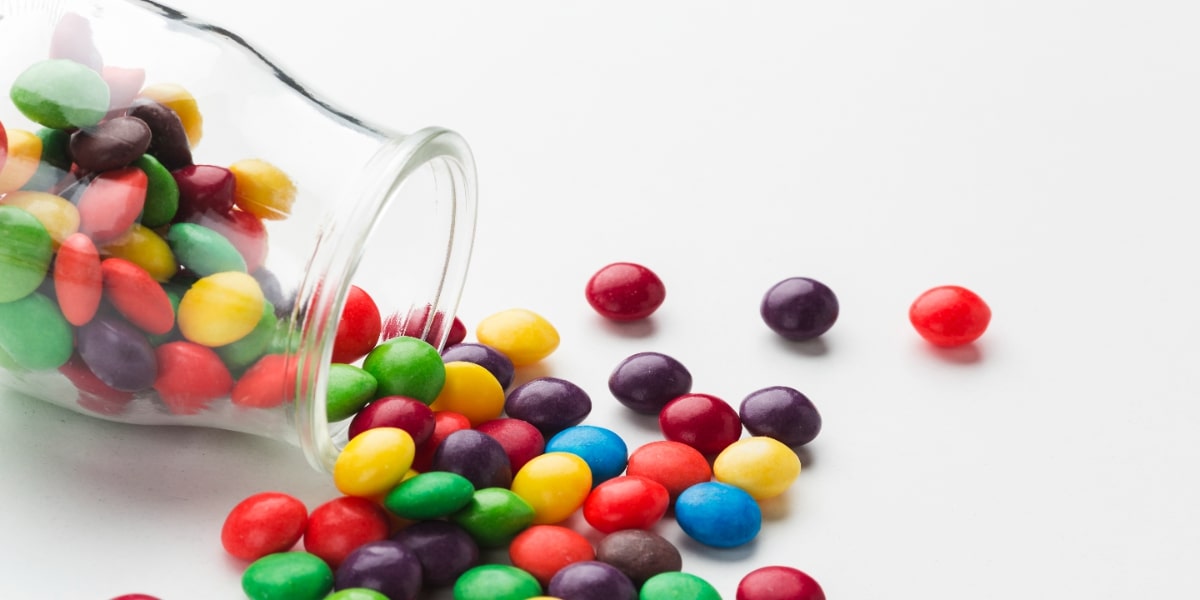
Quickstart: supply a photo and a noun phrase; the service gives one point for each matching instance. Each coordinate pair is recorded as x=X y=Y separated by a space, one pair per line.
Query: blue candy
x=717 y=514
x=602 y=449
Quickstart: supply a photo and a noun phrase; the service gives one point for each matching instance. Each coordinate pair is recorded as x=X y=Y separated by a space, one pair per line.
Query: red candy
x=543 y=550
x=625 y=292
x=358 y=329
x=263 y=524
x=339 y=526
x=268 y=383
x=458 y=333
x=400 y=412
x=190 y=377
x=203 y=189
x=111 y=203
x=3 y=146
x=135 y=294
x=520 y=439
x=626 y=502
x=444 y=423
x=78 y=282
x=950 y=315
x=704 y=422
x=675 y=465
x=136 y=597
x=779 y=583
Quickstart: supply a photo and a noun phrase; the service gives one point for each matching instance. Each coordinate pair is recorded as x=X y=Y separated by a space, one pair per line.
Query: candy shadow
x=522 y=375
x=775 y=509
x=805 y=455
x=642 y=328
x=967 y=354
x=815 y=347
x=644 y=423
x=721 y=554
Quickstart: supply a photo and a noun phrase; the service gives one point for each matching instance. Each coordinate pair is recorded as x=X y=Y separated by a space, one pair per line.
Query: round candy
x=262 y=189
x=647 y=381
x=342 y=524
x=349 y=388
x=474 y=455
x=496 y=582
x=202 y=250
x=625 y=291
x=717 y=514
x=247 y=234
x=591 y=580
x=677 y=466
x=762 y=466
x=262 y=524
x=444 y=424
x=408 y=414
x=358 y=327
x=524 y=336
x=56 y=214
x=554 y=484
x=203 y=189
x=373 y=462
x=162 y=193
x=520 y=440
x=111 y=203
x=543 y=550
x=24 y=156
x=118 y=353
x=135 y=294
x=182 y=103
x=494 y=516
x=190 y=377
x=639 y=554
x=781 y=413
x=252 y=346
x=777 y=582
x=406 y=366
x=430 y=495
x=356 y=594
x=702 y=421
x=799 y=308
x=950 y=315
x=221 y=308
x=472 y=391
x=111 y=144
x=35 y=336
x=168 y=140
x=78 y=282
x=291 y=575
x=602 y=449
x=675 y=586
x=549 y=403
x=486 y=356
x=25 y=252
x=143 y=247
x=626 y=502
x=135 y=597
x=445 y=550
x=386 y=566
x=267 y=383
x=61 y=94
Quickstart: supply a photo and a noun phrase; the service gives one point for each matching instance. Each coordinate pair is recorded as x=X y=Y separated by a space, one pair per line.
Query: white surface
x=1042 y=153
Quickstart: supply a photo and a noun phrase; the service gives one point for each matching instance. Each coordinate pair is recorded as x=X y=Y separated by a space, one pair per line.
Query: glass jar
x=283 y=202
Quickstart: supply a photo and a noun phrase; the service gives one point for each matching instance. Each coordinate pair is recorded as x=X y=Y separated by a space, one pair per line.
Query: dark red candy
x=704 y=422
x=625 y=291
x=169 y=142
x=203 y=189
x=111 y=144
x=521 y=440
x=263 y=524
x=549 y=403
x=458 y=332
x=136 y=597
x=778 y=582
x=444 y=549
x=400 y=412
x=476 y=456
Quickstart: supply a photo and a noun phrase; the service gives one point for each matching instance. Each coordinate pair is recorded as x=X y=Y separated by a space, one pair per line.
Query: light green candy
x=25 y=253
x=203 y=250
x=350 y=388
x=34 y=333
x=356 y=594
x=61 y=94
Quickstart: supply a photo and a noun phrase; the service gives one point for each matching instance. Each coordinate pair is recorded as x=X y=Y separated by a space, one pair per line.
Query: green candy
x=60 y=94
x=202 y=250
x=356 y=594
x=287 y=576
x=430 y=495
x=407 y=366
x=25 y=253
x=494 y=516
x=350 y=388
x=162 y=192
x=8 y=363
x=675 y=585
x=246 y=351
x=496 y=582
x=34 y=333
x=55 y=162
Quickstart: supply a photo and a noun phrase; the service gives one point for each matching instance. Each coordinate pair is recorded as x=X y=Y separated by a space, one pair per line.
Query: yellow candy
x=148 y=250
x=555 y=484
x=762 y=466
x=57 y=215
x=472 y=391
x=24 y=154
x=524 y=336
x=262 y=190
x=178 y=99
x=220 y=309
x=374 y=462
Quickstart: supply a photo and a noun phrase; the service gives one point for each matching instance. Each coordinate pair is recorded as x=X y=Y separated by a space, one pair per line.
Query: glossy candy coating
x=356 y=594
x=262 y=524
x=522 y=335
x=476 y=456
x=220 y=309
x=486 y=356
x=269 y=382
x=23 y=159
x=778 y=582
x=625 y=291
x=444 y=424
x=262 y=189
x=496 y=582
x=763 y=466
x=799 y=308
x=190 y=377
x=203 y=189
x=61 y=94
x=520 y=440
x=645 y=382
x=386 y=566
x=358 y=327
x=408 y=414
x=373 y=463
x=34 y=334
x=472 y=391
x=678 y=586
x=111 y=203
x=168 y=142
x=430 y=495
x=717 y=514
x=677 y=466
x=950 y=315
x=56 y=214
x=348 y=389
x=591 y=580
x=291 y=575
x=338 y=526
x=542 y=550
x=244 y=231
x=602 y=449
x=494 y=516
x=111 y=144
x=203 y=250
x=639 y=554
x=25 y=252
x=626 y=502
x=444 y=549
x=118 y=353
x=406 y=366
x=782 y=413
x=555 y=484
x=182 y=103
x=140 y=299
x=143 y=247
x=548 y=403
x=702 y=421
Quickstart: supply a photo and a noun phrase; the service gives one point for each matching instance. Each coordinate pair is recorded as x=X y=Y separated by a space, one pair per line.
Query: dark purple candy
x=203 y=189
x=476 y=456
x=591 y=580
x=548 y=403
x=273 y=291
x=485 y=356
x=799 y=308
x=639 y=554
x=647 y=381
x=118 y=353
x=168 y=141
x=112 y=144
x=444 y=549
x=386 y=566
x=782 y=413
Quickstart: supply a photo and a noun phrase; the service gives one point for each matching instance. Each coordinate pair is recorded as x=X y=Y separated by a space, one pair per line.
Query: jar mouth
x=405 y=236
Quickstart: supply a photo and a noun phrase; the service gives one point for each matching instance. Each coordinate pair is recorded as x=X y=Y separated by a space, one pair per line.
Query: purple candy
x=548 y=403
x=444 y=549
x=111 y=144
x=782 y=413
x=476 y=456
x=647 y=381
x=118 y=353
x=387 y=567
x=168 y=141
x=799 y=308
x=485 y=356
x=591 y=580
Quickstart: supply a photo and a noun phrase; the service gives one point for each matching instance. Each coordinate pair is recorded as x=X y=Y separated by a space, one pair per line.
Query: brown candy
x=112 y=144
x=639 y=554
x=168 y=142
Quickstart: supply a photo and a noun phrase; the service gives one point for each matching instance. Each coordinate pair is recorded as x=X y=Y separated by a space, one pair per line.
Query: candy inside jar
x=182 y=222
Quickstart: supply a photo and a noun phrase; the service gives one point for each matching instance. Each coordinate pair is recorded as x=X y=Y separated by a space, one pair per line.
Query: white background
x=1043 y=153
